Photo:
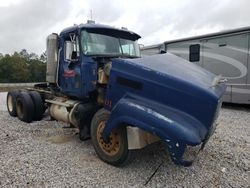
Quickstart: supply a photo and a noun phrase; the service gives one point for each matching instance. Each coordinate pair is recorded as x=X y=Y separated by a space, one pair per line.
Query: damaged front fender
x=174 y=127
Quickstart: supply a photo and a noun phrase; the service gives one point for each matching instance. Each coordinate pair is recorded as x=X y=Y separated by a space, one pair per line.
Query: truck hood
x=179 y=70
x=170 y=65
x=168 y=81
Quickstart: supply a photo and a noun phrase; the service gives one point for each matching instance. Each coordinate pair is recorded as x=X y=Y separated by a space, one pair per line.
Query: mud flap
x=176 y=150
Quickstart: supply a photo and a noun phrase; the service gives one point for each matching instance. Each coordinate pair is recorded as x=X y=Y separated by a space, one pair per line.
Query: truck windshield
x=100 y=44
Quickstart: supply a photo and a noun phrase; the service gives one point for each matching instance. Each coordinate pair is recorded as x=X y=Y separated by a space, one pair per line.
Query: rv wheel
x=24 y=107
x=11 y=102
x=115 y=151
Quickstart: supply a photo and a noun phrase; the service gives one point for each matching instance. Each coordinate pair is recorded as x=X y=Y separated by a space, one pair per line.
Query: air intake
x=52 y=57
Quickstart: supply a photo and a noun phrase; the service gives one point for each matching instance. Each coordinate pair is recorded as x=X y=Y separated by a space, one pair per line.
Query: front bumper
x=183 y=154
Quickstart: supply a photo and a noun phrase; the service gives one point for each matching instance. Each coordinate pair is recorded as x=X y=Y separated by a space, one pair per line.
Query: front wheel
x=115 y=151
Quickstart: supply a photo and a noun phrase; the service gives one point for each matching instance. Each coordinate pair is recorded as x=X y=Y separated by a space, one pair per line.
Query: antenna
x=91 y=14
x=91 y=21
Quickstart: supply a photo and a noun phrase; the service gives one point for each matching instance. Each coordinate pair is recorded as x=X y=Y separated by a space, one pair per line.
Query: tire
x=24 y=107
x=116 y=151
x=38 y=105
x=11 y=102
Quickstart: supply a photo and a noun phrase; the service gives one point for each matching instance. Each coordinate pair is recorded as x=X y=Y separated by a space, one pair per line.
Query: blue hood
x=168 y=81
x=179 y=70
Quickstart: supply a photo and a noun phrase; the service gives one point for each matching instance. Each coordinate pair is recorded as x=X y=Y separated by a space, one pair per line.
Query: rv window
x=194 y=52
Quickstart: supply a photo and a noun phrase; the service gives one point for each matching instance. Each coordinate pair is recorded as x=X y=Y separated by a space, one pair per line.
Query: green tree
x=22 y=67
x=43 y=57
x=37 y=71
x=24 y=53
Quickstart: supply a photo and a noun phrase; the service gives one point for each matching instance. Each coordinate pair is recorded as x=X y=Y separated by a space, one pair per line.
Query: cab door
x=70 y=66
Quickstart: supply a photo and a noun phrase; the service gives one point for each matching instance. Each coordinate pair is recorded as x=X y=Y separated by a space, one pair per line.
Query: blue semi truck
x=97 y=81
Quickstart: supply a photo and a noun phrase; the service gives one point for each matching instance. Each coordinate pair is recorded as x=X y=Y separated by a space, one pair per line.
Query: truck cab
x=97 y=81
x=85 y=52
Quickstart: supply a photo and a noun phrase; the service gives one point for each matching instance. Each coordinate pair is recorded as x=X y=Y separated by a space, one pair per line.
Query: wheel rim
x=113 y=146
x=10 y=103
x=19 y=109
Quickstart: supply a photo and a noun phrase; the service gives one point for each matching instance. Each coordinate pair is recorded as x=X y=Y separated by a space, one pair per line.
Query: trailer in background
x=224 y=53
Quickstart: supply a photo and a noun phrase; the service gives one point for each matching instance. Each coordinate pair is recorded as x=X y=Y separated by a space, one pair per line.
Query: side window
x=194 y=52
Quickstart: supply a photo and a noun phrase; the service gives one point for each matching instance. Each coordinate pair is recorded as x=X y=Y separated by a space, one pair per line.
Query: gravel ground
x=43 y=154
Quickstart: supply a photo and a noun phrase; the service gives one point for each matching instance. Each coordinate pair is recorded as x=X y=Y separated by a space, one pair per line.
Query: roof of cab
x=94 y=26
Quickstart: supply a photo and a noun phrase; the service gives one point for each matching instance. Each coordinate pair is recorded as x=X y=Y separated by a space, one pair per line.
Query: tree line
x=22 y=67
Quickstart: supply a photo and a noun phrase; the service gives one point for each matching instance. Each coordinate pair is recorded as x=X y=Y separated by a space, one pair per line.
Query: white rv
x=224 y=53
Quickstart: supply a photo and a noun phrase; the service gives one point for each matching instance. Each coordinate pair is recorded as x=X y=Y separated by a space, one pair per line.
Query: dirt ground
x=44 y=154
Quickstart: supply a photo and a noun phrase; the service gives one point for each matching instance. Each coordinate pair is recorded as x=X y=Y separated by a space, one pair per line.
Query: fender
x=165 y=122
x=175 y=128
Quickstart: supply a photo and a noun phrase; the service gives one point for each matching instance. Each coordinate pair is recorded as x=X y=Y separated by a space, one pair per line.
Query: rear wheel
x=38 y=105
x=115 y=151
x=24 y=107
x=11 y=102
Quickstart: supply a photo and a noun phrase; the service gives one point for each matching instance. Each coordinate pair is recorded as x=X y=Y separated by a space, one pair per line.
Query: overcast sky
x=26 y=23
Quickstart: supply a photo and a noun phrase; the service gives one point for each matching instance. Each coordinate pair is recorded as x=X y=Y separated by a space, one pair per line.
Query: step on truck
x=97 y=81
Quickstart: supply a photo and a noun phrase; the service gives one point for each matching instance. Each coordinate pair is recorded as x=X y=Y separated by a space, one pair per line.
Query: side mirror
x=68 y=50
